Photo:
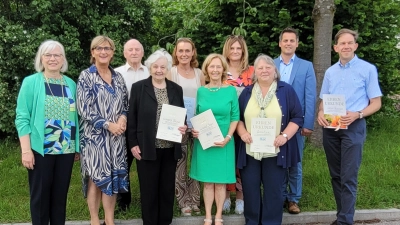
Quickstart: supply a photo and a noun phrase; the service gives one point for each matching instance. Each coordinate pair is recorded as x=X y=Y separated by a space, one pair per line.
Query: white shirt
x=131 y=75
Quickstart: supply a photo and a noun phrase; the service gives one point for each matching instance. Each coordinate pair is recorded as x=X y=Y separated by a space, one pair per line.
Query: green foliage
x=74 y=23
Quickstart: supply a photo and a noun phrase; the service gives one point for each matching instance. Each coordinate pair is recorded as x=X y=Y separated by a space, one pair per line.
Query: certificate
x=190 y=104
x=171 y=118
x=208 y=129
x=334 y=107
x=263 y=133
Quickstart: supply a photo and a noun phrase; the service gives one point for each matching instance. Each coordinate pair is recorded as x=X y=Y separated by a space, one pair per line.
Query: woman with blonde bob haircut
x=190 y=78
x=216 y=165
x=103 y=107
x=47 y=123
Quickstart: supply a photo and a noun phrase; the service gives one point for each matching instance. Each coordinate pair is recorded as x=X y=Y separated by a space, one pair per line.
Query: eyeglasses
x=56 y=56
x=100 y=49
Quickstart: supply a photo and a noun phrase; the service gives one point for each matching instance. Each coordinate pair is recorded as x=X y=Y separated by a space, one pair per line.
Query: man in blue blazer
x=300 y=74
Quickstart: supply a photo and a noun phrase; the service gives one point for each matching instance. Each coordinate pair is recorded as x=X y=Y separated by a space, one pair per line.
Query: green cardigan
x=30 y=110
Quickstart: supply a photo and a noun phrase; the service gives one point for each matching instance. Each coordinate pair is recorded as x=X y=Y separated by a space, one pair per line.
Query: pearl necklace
x=214 y=89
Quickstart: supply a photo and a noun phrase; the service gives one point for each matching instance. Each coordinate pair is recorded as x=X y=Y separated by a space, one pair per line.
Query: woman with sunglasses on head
x=46 y=121
x=103 y=106
x=239 y=75
x=185 y=73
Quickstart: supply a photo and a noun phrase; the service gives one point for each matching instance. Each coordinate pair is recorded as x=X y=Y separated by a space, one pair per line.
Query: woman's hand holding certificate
x=172 y=123
x=206 y=129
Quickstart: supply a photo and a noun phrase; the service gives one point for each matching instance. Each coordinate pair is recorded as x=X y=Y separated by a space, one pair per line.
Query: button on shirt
x=131 y=75
x=286 y=69
x=357 y=80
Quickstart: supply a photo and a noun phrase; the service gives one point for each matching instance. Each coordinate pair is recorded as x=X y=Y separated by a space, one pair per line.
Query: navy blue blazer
x=304 y=82
x=289 y=154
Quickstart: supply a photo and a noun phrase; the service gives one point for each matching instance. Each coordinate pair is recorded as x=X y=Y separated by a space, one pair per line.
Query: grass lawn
x=379 y=183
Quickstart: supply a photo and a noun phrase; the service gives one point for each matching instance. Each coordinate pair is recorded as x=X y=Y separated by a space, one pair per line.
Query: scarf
x=263 y=103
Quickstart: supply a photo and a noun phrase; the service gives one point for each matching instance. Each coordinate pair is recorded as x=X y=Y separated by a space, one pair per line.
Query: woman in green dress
x=215 y=166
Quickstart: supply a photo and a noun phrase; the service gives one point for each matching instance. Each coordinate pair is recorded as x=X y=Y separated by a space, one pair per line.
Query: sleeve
x=295 y=111
x=372 y=85
x=325 y=85
x=133 y=115
x=234 y=106
x=86 y=101
x=125 y=101
x=310 y=97
x=24 y=109
x=198 y=100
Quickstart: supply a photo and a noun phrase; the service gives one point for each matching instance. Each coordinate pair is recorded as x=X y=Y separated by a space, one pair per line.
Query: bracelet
x=229 y=136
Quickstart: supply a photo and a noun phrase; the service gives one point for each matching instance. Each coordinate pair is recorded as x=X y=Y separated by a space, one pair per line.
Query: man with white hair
x=132 y=72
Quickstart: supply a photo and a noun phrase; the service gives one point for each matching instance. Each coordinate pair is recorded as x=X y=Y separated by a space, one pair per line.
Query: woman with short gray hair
x=47 y=123
x=156 y=159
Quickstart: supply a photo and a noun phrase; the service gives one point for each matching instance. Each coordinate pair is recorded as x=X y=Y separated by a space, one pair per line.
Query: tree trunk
x=323 y=13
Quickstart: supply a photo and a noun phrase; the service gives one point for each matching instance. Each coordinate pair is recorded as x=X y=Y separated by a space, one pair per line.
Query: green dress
x=216 y=164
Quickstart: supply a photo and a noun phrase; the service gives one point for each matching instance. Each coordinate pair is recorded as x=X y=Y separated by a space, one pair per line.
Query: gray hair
x=46 y=47
x=269 y=61
x=160 y=53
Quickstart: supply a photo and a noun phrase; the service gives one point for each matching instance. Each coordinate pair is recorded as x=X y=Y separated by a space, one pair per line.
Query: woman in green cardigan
x=47 y=125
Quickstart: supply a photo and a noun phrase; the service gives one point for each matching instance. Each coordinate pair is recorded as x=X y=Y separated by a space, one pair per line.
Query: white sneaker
x=227 y=205
x=239 y=206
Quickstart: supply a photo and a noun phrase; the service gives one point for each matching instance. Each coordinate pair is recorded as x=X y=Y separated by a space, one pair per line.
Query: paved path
x=367 y=217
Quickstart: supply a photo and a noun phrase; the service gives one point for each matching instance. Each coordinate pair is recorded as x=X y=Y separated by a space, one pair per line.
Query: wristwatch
x=361 y=114
x=285 y=136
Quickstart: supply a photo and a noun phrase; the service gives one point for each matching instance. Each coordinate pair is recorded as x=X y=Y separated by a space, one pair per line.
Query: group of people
x=111 y=117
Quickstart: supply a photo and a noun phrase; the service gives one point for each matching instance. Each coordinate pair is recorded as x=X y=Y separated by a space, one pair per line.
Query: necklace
x=187 y=71
x=62 y=89
x=214 y=89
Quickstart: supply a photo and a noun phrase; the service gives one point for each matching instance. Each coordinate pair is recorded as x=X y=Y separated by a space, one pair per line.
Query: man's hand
x=306 y=132
x=349 y=118
x=321 y=119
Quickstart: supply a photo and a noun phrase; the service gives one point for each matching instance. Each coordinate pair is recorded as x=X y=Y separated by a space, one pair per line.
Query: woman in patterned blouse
x=103 y=106
x=239 y=75
x=47 y=122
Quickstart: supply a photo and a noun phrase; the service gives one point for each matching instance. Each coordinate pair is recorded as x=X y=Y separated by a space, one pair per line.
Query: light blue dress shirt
x=286 y=69
x=357 y=80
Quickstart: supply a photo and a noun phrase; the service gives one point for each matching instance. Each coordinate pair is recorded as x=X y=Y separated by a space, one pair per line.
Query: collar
x=290 y=61
x=93 y=69
x=351 y=63
x=128 y=67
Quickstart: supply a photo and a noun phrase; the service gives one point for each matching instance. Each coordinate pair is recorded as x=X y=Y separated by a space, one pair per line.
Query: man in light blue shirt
x=300 y=74
x=357 y=80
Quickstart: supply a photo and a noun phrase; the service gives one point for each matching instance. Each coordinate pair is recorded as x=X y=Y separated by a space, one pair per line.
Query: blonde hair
x=46 y=47
x=269 y=61
x=193 y=62
x=98 y=40
x=244 y=60
x=207 y=62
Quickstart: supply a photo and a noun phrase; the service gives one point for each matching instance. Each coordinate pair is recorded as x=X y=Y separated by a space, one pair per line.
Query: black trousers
x=125 y=199
x=157 y=187
x=48 y=184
